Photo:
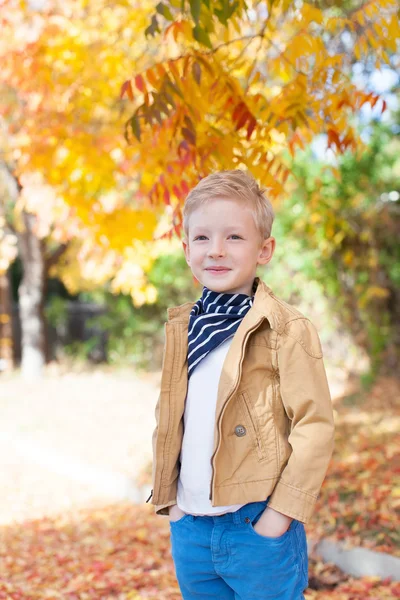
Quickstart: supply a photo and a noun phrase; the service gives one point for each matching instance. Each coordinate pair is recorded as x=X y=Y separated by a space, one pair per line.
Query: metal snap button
x=240 y=430
x=247 y=520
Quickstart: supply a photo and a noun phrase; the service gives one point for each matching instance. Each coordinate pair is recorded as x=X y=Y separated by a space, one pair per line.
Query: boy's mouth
x=217 y=270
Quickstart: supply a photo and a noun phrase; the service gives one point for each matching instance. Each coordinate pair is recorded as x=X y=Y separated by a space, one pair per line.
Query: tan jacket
x=274 y=427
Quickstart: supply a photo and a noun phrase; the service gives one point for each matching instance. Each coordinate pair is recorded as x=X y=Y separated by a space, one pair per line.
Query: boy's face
x=222 y=233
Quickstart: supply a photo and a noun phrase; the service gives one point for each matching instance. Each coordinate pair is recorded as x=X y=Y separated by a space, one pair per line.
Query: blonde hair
x=236 y=184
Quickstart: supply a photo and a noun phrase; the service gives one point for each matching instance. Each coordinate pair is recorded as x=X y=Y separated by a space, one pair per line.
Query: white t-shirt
x=198 y=439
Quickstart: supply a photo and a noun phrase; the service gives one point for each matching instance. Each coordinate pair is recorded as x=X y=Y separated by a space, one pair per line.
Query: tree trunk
x=31 y=295
x=6 y=334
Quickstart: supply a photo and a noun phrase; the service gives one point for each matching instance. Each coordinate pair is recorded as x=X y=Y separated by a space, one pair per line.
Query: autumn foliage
x=210 y=86
x=247 y=84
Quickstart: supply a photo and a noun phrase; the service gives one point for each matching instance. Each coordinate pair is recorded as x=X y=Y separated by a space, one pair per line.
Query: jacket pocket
x=253 y=425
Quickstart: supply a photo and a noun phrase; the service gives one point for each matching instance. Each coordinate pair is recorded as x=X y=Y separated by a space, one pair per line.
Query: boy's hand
x=272 y=523
x=175 y=513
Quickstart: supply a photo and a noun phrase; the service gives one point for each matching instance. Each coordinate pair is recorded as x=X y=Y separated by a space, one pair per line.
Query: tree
x=351 y=224
x=243 y=83
x=69 y=171
x=8 y=252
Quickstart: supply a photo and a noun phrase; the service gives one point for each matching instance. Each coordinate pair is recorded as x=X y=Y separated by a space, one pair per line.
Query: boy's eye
x=232 y=235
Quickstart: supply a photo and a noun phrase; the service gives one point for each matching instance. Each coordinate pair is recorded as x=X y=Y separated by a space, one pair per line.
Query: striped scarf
x=214 y=318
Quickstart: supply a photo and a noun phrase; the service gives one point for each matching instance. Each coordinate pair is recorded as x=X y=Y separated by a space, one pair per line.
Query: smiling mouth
x=219 y=270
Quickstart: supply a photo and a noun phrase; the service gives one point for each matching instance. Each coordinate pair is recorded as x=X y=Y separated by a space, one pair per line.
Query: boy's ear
x=267 y=251
x=185 y=246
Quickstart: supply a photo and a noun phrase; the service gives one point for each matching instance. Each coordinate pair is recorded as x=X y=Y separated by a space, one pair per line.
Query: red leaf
x=238 y=111
x=189 y=135
x=333 y=138
x=285 y=176
x=251 y=126
x=139 y=82
x=184 y=187
x=127 y=87
x=243 y=119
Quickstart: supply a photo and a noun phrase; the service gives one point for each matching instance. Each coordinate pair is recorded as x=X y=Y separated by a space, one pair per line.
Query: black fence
x=75 y=327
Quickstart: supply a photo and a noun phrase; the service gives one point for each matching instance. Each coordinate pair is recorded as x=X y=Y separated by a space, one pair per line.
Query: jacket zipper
x=229 y=397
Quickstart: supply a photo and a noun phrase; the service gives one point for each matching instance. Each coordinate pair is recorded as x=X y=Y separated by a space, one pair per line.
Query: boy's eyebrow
x=236 y=227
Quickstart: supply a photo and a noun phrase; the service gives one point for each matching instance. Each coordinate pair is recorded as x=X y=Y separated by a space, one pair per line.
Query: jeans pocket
x=183 y=518
x=273 y=540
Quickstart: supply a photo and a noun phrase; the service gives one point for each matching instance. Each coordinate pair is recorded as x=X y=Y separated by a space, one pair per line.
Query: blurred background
x=109 y=113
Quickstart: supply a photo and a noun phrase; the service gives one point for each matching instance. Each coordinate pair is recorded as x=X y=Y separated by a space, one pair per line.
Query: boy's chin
x=224 y=285
x=217 y=282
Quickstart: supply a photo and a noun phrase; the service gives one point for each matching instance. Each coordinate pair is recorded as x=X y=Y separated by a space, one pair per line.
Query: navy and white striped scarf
x=214 y=318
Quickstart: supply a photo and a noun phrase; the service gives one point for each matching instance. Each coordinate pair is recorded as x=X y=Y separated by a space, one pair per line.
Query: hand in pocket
x=272 y=524
x=175 y=513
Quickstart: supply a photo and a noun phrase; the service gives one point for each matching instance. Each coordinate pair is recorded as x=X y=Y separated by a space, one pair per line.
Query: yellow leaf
x=348 y=257
x=377 y=292
x=339 y=237
x=394 y=27
x=315 y=217
x=374 y=43
x=359 y=17
x=255 y=78
x=357 y=51
x=311 y=13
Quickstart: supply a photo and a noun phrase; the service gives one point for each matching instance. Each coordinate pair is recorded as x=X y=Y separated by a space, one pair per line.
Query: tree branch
x=53 y=258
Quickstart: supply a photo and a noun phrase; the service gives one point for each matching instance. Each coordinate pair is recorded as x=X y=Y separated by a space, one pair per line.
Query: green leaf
x=157 y=116
x=173 y=87
x=135 y=126
x=196 y=72
x=169 y=99
x=227 y=11
x=195 y=7
x=162 y=106
x=153 y=28
x=164 y=10
x=201 y=36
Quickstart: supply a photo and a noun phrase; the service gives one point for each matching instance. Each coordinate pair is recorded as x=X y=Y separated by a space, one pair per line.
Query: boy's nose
x=216 y=251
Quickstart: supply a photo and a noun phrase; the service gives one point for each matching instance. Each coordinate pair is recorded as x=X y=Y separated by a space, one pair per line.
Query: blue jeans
x=224 y=557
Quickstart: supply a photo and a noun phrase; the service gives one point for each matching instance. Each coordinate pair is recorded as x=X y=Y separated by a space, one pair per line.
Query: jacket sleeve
x=160 y=509
x=306 y=398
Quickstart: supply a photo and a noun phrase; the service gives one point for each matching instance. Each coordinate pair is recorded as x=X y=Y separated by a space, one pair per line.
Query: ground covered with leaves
x=122 y=552
x=359 y=504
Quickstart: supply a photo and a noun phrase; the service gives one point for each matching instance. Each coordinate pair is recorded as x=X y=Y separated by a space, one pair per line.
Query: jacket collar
x=265 y=303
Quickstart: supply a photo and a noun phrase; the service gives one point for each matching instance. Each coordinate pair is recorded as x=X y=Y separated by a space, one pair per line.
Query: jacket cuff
x=292 y=502
x=163 y=509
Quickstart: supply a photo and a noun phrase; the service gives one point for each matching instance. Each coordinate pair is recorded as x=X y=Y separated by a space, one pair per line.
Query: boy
x=245 y=425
